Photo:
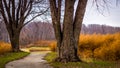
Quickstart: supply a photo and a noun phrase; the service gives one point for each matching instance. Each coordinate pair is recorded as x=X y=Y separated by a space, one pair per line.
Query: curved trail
x=34 y=60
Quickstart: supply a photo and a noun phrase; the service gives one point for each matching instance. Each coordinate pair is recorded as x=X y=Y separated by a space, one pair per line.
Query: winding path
x=34 y=60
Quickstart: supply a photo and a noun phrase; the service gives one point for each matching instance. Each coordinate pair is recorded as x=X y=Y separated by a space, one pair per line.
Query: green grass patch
x=50 y=56
x=7 y=57
x=95 y=64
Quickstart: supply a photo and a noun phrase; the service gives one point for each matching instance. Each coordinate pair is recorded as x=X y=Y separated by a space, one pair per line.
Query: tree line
x=36 y=31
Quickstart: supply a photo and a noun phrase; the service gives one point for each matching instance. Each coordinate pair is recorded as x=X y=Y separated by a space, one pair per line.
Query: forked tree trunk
x=68 y=49
x=67 y=40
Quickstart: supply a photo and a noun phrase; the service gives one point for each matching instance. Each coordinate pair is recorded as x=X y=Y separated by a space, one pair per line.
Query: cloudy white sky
x=110 y=16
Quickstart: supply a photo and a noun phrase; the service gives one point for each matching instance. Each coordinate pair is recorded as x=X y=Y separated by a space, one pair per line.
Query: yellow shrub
x=104 y=53
x=4 y=47
x=53 y=45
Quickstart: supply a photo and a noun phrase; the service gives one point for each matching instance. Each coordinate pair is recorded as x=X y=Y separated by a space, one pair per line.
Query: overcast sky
x=110 y=16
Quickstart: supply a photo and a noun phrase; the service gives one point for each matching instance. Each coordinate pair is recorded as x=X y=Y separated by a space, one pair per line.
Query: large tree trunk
x=68 y=49
x=15 y=43
x=14 y=39
x=67 y=40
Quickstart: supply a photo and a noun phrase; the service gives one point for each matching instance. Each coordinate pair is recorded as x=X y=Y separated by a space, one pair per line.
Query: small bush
x=53 y=46
x=4 y=47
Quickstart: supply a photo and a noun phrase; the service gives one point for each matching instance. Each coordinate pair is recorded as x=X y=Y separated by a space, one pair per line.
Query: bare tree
x=15 y=13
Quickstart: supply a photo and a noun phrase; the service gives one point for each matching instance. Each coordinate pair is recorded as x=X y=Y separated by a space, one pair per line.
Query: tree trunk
x=14 y=39
x=68 y=49
x=15 y=44
x=56 y=14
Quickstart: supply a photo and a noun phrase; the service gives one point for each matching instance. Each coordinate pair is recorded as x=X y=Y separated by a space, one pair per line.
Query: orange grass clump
x=4 y=47
x=53 y=45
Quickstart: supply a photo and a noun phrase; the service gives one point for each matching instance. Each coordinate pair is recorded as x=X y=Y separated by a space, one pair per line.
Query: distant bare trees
x=101 y=29
x=3 y=32
x=36 y=31
x=44 y=31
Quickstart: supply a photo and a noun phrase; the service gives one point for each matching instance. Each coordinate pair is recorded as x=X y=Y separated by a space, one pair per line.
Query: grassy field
x=95 y=64
x=7 y=57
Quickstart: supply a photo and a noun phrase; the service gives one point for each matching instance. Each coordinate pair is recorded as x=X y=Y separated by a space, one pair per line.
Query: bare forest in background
x=44 y=31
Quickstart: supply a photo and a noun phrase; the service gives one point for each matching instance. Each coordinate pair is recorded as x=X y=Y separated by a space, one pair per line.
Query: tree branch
x=36 y=16
x=79 y=15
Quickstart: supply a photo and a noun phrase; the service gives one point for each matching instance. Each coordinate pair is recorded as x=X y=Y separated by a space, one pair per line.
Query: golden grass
x=39 y=49
x=97 y=46
x=105 y=47
x=53 y=45
x=4 y=47
x=32 y=49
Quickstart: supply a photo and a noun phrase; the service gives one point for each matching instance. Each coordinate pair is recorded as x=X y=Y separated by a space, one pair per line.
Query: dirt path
x=34 y=60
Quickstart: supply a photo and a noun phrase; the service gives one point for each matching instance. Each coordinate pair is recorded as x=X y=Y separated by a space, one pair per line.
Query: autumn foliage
x=4 y=47
x=98 y=46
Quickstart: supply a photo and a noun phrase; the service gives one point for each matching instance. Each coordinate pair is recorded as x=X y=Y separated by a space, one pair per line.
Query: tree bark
x=15 y=43
x=14 y=34
x=56 y=16
x=77 y=25
x=68 y=50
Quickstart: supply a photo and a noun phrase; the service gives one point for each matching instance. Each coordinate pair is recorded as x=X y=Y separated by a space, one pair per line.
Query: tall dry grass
x=53 y=45
x=105 y=47
x=4 y=47
x=98 y=46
